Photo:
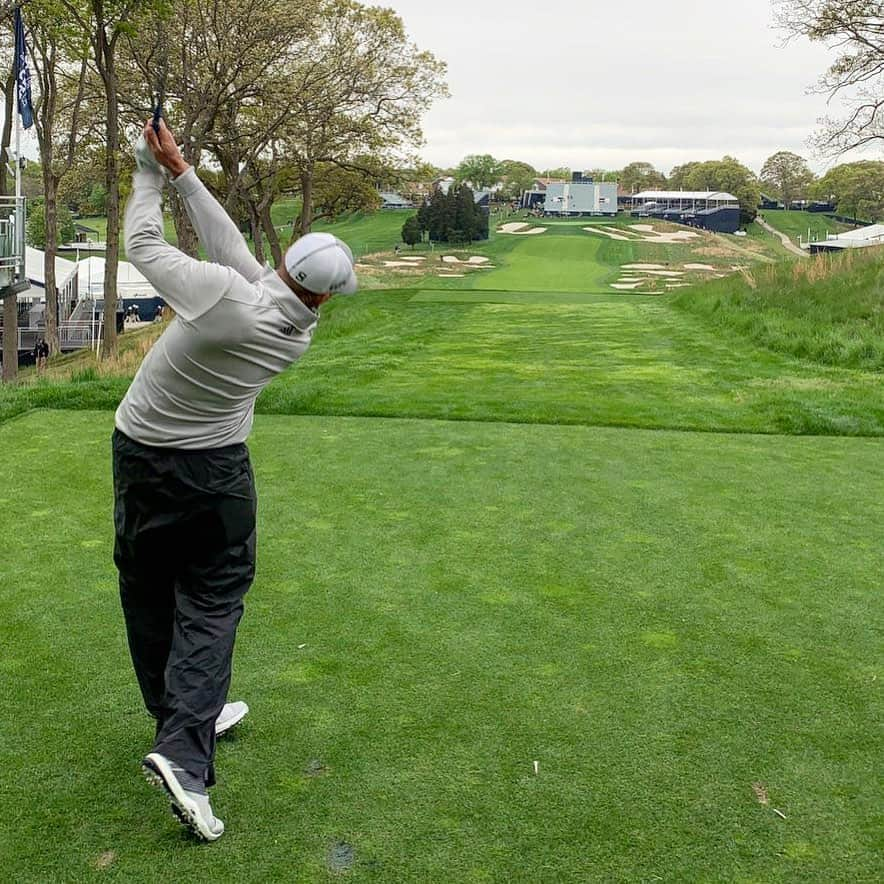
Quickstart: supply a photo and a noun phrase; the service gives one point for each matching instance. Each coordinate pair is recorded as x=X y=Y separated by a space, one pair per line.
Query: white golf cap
x=322 y=263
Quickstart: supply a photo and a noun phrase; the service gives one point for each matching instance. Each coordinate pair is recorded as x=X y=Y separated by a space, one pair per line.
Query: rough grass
x=829 y=309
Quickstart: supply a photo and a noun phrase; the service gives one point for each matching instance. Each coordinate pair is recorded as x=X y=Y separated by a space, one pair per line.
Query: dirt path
x=796 y=250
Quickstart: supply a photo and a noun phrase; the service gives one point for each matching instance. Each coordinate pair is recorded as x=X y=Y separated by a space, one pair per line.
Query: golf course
x=556 y=582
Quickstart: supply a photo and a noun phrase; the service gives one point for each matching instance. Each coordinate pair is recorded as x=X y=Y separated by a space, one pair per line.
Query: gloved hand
x=144 y=158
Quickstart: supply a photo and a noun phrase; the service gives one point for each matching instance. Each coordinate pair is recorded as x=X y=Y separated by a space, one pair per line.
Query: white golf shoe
x=192 y=808
x=231 y=715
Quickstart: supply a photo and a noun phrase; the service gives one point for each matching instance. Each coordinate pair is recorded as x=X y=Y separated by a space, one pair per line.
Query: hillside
x=829 y=309
x=796 y=225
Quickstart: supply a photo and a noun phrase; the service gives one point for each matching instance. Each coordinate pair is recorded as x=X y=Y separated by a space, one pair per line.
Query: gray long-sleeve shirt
x=237 y=325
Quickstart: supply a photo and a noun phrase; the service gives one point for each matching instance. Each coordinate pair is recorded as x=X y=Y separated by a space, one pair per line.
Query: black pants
x=185 y=550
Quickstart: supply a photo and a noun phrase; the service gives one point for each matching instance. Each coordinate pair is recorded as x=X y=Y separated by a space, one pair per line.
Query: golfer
x=184 y=509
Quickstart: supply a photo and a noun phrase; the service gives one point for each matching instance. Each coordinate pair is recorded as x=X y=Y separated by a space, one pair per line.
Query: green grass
x=364 y=233
x=796 y=224
x=829 y=309
x=660 y=620
x=471 y=559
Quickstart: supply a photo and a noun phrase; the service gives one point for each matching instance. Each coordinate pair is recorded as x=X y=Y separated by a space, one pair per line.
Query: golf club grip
x=157 y=114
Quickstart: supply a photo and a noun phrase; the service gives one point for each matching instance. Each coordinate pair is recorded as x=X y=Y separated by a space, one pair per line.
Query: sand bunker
x=607 y=233
x=475 y=260
x=625 y=285
x=675 y=273
x=398 y=264
x=676 y=285
x=643 y=266
x=451 y=275
x=663 y=236
x=413 y=257
x=646 y=233
x=520 y=228
x=698 y=267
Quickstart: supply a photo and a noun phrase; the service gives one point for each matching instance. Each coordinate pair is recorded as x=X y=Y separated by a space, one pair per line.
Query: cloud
x=589 y=84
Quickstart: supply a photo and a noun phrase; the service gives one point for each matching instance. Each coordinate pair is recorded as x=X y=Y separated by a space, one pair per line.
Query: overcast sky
x=590 y=84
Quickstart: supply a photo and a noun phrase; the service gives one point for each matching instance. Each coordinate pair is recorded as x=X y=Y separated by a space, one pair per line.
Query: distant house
x=443 y=184
x=861 y=238
x=84 y=233
x=768 y=202
x=392 y=200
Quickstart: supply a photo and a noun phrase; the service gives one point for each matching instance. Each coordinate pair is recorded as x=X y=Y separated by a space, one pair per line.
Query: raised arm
x=219 y=236
x=190 y=287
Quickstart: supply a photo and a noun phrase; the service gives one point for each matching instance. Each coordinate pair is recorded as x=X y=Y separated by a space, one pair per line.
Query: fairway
x=450 y=296
x=660 y=620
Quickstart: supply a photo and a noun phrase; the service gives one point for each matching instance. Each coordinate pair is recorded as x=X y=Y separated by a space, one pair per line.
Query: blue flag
x=22 y=74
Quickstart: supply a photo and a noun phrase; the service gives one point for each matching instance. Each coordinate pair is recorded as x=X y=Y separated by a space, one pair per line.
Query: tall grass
x=829 y=309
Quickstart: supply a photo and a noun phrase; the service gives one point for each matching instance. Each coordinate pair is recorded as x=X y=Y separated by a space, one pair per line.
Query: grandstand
x=684 y=200
x=709 y=209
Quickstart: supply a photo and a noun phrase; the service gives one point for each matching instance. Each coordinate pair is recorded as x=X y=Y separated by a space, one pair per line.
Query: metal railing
x=13 y=218
x=72 y=335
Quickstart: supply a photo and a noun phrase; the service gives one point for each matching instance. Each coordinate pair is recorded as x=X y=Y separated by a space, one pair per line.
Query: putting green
x=565 y=260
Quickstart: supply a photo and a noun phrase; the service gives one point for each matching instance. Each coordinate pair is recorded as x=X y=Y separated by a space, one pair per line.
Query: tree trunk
x=10 y=338
x=112 y=183
x=307 y=201
x=10 y=304
x=188 y=241
x=272 y=235
x=255 y=226
x=50 y=224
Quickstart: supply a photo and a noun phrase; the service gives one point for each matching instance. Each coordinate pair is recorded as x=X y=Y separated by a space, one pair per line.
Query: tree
x=857 y=189
x=38 y=236
x=639 y=176
x=57 y=50
x=787 y=175
x=561 y=173
x=453 y=217
x=517 y=177
x=103 y=23
x=411 y=231
x=358 y=89
x=610 y=175
x=728 y=175
x=224 y=87
x=478 y=170
x=679 y=175
x=855 y=29
x=10 y=307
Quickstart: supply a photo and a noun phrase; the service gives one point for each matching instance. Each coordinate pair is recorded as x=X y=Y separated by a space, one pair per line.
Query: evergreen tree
x=411 y=231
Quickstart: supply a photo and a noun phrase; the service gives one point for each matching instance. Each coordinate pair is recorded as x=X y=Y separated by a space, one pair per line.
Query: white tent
x=65 y=273
x=872 y=235
x=130 y=283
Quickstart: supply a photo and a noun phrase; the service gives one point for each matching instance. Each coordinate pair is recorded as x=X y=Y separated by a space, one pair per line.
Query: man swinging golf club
x=185 y=504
